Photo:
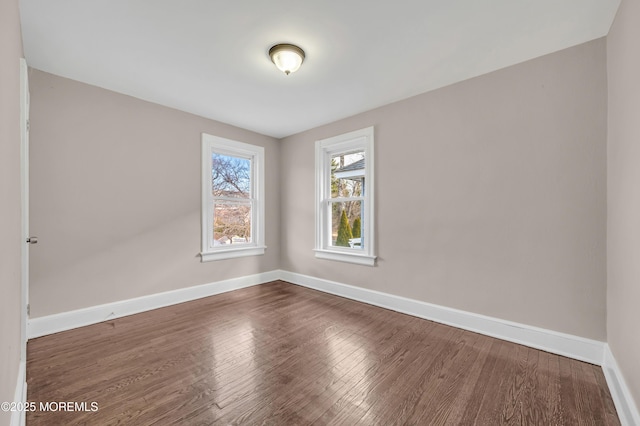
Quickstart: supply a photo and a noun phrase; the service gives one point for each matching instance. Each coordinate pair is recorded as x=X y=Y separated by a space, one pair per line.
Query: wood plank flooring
x=280 y=354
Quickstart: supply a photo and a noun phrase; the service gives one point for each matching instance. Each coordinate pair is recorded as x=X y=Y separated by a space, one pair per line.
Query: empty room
x=297 y=213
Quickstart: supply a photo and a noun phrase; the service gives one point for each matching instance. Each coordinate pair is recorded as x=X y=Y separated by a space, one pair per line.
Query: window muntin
x=344 y=197
x=233 y=200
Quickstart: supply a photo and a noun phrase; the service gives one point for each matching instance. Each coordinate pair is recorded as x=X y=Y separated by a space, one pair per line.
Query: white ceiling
x=209 y=57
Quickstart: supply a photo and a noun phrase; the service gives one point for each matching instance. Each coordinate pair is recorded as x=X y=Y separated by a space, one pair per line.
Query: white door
x=24 y=183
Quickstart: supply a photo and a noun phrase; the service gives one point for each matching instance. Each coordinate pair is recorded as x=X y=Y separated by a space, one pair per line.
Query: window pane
x=231 y=223
x=346 y=224
x=230 y=176
x=347 y=174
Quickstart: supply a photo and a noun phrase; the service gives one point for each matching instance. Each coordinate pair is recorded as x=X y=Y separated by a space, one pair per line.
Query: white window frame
x=359 y=140
x=255 y=154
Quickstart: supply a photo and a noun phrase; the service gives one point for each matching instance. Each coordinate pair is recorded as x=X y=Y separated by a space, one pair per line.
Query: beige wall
x=623 y=192
x=10 y=213
x=115 y=197
x=490 y=197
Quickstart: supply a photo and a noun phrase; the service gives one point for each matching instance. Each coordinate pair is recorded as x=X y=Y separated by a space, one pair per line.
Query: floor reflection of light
x=351 y=363
x=233 y=363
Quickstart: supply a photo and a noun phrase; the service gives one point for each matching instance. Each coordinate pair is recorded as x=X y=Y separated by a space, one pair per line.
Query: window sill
x=232 y=253
x=341 y=256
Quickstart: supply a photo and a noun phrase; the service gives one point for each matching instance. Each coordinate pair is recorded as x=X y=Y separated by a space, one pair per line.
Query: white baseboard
x=547 y=340
x=626 y=407
x=50 y=324
x=20 y=396
x=559 y=343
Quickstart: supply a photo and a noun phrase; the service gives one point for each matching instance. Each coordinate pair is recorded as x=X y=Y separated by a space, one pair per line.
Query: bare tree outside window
x=231 y=190
x=230 y=176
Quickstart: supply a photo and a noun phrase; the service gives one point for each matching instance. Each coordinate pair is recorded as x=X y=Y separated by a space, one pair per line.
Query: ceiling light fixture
x=287 y=57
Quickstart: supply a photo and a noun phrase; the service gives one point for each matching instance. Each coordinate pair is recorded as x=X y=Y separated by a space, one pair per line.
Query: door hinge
x=28 y=125
x=28 y=309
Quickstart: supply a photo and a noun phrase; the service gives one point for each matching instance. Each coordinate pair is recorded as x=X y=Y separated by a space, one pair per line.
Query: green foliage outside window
x=357 y=226
x=344 y=231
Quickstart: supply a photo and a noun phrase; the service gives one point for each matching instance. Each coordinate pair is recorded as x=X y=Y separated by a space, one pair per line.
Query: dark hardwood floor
x=280 y=354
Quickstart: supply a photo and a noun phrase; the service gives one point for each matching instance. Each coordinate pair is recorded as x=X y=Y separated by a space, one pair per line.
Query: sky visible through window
x=230 y=176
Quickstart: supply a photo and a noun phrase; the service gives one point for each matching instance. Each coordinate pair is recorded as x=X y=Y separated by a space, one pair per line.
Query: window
x=232 y=199
x=344 y=198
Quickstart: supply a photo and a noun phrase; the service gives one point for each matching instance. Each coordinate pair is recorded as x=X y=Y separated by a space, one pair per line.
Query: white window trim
x=257 y=247
x=325 y=149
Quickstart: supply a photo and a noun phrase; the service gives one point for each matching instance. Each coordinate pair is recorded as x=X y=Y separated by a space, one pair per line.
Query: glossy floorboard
x=280 y=354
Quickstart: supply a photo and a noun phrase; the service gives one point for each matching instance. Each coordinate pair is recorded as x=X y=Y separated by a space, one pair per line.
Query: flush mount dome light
x=287 y=57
